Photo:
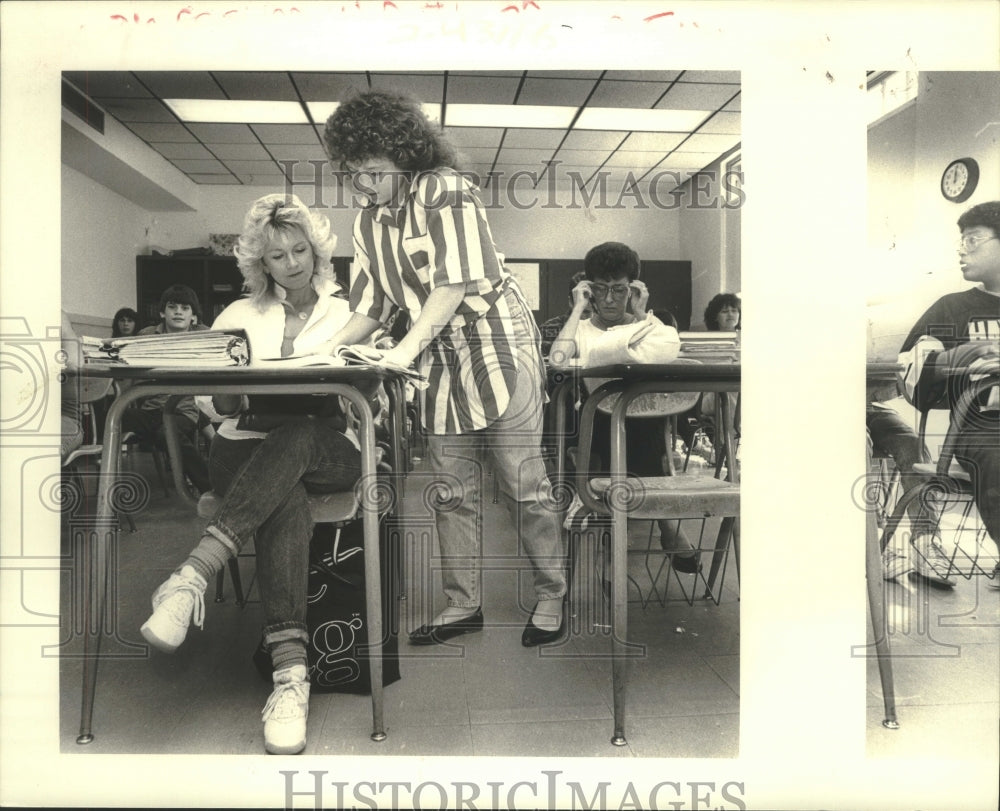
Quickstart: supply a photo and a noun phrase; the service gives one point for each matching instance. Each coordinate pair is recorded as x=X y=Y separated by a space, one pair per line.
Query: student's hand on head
x=582 y=295
x=638 y=296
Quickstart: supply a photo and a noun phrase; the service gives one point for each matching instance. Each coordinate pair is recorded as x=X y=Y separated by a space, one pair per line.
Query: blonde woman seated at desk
x=611 y=288
x=263 y=473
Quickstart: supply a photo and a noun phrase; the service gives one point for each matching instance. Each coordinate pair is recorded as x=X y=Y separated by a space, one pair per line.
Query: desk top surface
x=247 y=375
x=693 y=372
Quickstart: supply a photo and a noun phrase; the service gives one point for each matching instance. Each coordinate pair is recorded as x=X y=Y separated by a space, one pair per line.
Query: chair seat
x=676 y=496
x=326 y=508
x=955 y=471
x=83 y=450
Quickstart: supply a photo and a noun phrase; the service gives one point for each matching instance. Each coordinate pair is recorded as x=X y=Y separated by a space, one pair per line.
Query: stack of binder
x=206 y=349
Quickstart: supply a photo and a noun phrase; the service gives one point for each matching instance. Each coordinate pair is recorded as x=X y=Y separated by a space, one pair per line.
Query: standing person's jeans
x=512 y=447
x=264 y=483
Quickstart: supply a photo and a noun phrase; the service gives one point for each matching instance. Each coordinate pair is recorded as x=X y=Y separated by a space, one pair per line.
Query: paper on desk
x=361 y=355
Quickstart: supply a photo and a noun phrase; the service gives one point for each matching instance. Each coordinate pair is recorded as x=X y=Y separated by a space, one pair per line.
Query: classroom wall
x=911 y=227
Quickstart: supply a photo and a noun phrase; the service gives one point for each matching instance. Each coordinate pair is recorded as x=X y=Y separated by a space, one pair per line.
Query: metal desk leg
x=876 y=605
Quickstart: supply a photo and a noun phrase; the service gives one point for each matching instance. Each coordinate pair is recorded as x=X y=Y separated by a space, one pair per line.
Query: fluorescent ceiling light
x=234 y=111
x=629 y=119
x=322 y=110
x=509 y=115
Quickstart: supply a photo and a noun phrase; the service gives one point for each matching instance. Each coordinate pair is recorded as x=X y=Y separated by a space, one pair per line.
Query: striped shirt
x=439 y=235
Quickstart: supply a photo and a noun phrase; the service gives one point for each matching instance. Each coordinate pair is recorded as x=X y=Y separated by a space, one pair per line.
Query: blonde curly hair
x=267 y=216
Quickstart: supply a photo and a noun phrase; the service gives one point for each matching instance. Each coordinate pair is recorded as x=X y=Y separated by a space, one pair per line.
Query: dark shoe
x=686 y=564
x=533 y=635
x=436 y=634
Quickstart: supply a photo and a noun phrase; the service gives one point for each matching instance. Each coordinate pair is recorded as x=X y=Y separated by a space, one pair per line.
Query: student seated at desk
x=125 y=323
x=263 y=473
x=180 y=311
x=610 y=286
x=956 y=339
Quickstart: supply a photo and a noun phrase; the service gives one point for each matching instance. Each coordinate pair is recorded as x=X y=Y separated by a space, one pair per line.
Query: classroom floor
x=945 y=664
x=490 y=696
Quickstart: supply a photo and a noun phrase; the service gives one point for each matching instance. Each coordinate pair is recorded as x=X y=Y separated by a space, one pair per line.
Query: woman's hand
x=638 y=298
x=582 y=294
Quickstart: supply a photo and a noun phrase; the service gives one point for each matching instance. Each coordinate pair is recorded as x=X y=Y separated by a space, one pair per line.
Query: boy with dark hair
x=180 y=311
x=954 y=342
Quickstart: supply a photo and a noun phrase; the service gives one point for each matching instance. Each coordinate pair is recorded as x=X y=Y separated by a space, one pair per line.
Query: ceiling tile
x=297 y=152
x=181 y=84
x=663 y=76
x=697 y=96
x=425 y=87
x=481 y=90
x=257 y=85
x=473 y=136
x=558 y=92
x=536 y=157
x=274 y=181
x=627 y=94
x=710 y=143
x=102 y=84
x=477 y=154
x=171 y=150
x=200 y=167
x=240 y=167
x=145 y=110
x=593 y=139
x=694 y=161
x=661 y=142
x=286 y=133
x=533 y=139
x=328 y=86
x=243 y=152
x=712 y=76
x=565 y=74
x=734 y=105
x=173 y=133
x=223 y=133
x=640 y=161
x=215 y=180
x=722 y=123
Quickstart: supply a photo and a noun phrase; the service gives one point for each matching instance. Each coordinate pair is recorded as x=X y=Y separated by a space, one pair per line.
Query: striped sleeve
x=366 y=295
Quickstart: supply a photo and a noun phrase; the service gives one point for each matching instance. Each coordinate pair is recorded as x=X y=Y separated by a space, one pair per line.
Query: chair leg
x=160 y=471
x=234 y=573
x=220 y=586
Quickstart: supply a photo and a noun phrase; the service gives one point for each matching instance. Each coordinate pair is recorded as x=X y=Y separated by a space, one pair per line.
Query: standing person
x=956 y=339
x=263 y=476
x=180 y=311
x=422 y=244
x=611 y=289
x=125 y=323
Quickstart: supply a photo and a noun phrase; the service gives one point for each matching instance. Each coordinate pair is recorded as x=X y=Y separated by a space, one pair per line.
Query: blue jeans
x=512 y=447
x=264 y=483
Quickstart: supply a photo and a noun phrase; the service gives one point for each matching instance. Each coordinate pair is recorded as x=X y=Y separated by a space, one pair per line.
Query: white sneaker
x=175 y=603
x=286 y=712
x=894 y=563
x=932 y=563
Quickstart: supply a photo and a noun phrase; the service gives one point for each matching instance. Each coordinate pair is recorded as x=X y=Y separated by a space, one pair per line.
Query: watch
x=959 y=180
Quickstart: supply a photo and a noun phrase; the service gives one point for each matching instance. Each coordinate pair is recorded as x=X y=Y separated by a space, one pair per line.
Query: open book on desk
x=204 y=348
x=356 y=355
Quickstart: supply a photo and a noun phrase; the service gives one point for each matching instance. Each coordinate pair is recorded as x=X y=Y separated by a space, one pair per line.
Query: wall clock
x=959 y=180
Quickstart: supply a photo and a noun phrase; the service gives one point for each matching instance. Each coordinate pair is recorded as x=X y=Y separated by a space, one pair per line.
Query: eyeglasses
x=617 y=290
x=971 y=242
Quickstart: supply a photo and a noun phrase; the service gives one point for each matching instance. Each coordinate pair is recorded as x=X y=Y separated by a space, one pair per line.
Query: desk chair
x=130 y=442
x=945 y=482
x=92 y=390
x=671 y=497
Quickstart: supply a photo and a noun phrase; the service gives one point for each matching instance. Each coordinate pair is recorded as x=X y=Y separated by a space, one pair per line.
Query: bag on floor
x=336 y=615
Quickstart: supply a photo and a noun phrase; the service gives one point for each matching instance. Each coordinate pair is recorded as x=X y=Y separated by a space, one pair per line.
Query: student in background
x=422 y=243
x=611 y=289
x=551 y=328
x=180 y=311
x=125 y=323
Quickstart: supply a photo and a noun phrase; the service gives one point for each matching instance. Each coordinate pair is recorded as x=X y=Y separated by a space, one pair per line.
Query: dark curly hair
x=715 y=307
x=986 y=215
x=379 y=124
x=124 y=312
x=611 y=259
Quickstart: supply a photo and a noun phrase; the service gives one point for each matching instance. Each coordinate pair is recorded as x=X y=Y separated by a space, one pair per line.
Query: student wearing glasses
x=422 y=244
x=611 y=289
x=956 y=339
